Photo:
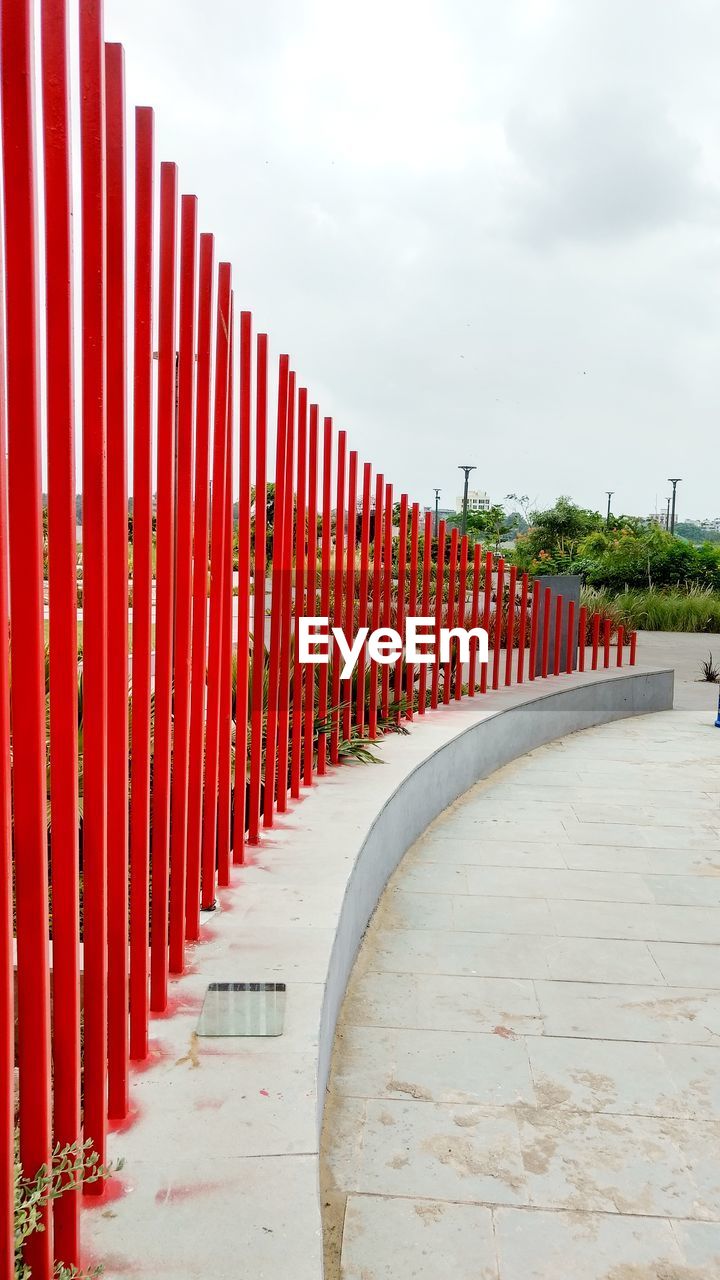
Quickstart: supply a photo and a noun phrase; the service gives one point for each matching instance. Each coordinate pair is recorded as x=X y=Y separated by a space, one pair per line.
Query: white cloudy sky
x=485 y=232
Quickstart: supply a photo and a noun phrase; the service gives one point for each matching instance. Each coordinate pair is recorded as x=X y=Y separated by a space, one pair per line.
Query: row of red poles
x=203 y=729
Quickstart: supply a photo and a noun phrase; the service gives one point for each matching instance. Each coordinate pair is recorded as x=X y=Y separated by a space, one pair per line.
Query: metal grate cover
x=243 y=1009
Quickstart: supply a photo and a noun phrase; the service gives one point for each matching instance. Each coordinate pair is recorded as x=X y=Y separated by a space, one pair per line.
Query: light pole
x=667 y=514
x=437 y=510
x=674 y=482
x=467 y=470
x=609 y=493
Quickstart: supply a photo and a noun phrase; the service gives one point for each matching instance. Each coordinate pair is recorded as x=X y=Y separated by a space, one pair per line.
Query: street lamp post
x=609 y=493
x=467 y=471
x=674 y=482
x=667 y=513
x=437 y=510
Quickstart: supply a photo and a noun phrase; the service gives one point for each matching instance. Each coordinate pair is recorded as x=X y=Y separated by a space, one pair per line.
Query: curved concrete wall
x=443 y=776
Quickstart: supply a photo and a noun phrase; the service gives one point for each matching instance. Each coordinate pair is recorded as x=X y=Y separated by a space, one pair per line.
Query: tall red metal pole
x=311 y=593
x=427 y=566
x=276 y=603
x=487 y=607
x=243 y=626
x=62 y=554
x=570 y=640
x=620 y=643
x=633 y=648
x=439 y=602
x=377 y=585
x=338 y=593
x=400 y=610
x=66 y=1233
x=117 y=585
x=257 y=704
x=607 y=635
x=217 y=557
x=347 y=713
x=286 y=614
x=452 y=570
x=142 y=586
x=462 y=605
x=325 y=587
x=522 y=629
x=387 y=590
x=183 y=571
x=595 y=640
x=558 y=634
x=165 y=588
x=582 y=634
x=299 y=673
x=363 y=588
x=497 y=639
x=226 y=640
x=534 y=629
x=544 y=652
x=474 y=617
x=94 y=484
x=201 y=510
x=412 y=603
x=510 y=629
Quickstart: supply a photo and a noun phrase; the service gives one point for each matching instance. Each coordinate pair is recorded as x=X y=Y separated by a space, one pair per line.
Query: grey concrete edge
x=445 y=774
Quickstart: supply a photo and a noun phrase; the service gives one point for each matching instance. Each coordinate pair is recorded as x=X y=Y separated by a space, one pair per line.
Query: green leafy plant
x=709 y=671
x=70 y=1167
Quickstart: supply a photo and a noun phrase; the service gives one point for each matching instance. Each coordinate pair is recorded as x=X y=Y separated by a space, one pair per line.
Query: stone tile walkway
x=526 y=1083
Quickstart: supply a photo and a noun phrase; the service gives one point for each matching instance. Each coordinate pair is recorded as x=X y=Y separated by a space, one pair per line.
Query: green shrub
x=694 y=610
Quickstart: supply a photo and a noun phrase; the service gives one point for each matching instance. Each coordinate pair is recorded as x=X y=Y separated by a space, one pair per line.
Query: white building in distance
x=478 y=500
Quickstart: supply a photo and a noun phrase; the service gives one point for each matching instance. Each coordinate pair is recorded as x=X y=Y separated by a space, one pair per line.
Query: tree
x=486 y=526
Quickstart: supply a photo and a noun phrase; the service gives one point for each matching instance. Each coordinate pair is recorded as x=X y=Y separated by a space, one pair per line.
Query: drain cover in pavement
x=243 y=1009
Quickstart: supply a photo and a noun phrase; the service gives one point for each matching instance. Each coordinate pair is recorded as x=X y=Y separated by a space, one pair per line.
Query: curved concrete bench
x=222 y=1160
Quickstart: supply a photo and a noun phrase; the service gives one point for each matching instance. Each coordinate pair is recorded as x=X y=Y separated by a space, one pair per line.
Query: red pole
x=286 y=617
x=462 y=603
x=497 y=639
x=427 y=567
x=377 y=580
x=620 y=642
x=62 y=551
x=595 y=640
x=325 y=587
x=117 y=585
x=412 y=602
x=257 y=707
x=387 y=590
x=570 y=641
x=510 y=630
x=439 y=592
x=183 y=603
x=557 y=638
x=338 y=594
x=63 y=1232
x=242 y=694
x=26 y=611
x=607 y=634
x=452 y=571
x=201 y=508
x=94 y=486
x=164 y=591
x=142 y=586
x=487 y=605
x=276 y=605
x=298 y=678
x=363 y=593
x=582 y=632
x=400 y=621
x=217 y=556
x=522 y=628
x=547 y=597
x=534 y=629
x=311 y=594
x=633 y=648
x=474 y=616
x=226 y=641
x=350 y=584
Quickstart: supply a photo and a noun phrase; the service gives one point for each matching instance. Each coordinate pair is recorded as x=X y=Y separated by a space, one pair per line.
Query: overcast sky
x=485 y=232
